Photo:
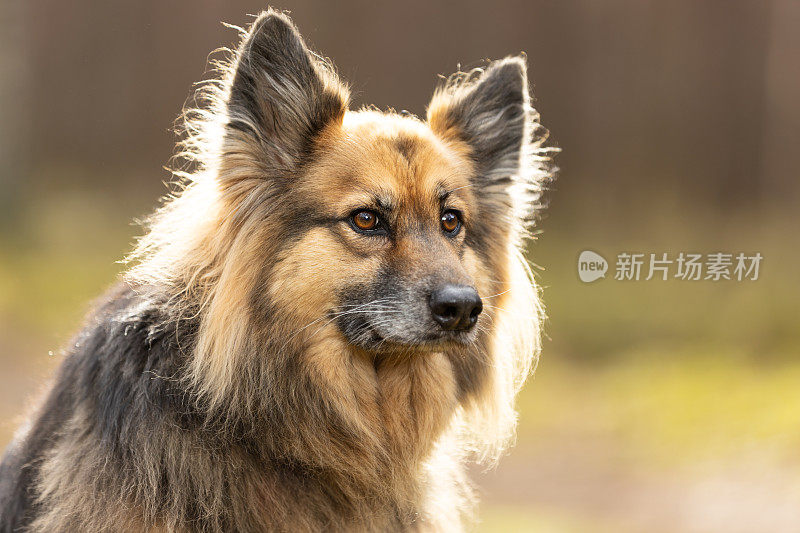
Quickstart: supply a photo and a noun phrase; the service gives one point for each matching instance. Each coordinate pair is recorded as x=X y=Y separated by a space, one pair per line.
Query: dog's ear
x=490 y=111
x=281 y=94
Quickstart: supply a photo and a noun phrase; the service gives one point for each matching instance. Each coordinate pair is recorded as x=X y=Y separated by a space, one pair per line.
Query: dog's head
x=378 y=232
x=396 y=229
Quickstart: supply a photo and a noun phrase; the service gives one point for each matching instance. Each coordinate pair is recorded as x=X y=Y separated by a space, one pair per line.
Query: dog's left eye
x=367 y=221
x=451 y=221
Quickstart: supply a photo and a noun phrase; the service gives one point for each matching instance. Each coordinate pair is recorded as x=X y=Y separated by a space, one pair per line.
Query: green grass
x=58 y=258
x=507 y=518
x=669 y=409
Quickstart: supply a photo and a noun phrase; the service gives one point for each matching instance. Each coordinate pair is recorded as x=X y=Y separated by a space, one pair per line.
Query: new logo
x=591 y=266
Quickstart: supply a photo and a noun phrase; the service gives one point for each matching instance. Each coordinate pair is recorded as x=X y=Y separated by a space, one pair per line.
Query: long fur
x=208 y=393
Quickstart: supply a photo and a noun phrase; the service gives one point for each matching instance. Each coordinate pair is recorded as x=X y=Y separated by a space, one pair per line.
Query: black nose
x=455 y=307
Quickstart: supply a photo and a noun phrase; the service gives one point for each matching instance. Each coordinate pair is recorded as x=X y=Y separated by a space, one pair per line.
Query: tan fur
x=218 y=248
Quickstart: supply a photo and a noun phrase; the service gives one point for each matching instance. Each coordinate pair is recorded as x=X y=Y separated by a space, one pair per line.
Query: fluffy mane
x=214 y=241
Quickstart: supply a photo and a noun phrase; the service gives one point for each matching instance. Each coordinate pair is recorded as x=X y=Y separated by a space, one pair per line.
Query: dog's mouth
x=362 y=333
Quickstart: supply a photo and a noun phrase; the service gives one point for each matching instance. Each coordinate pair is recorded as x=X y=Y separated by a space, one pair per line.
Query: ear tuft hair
x=281 y=94
x=490 y=110
x=486 y=109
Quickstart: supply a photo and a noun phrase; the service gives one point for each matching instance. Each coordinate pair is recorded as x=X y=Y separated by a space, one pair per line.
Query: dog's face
x=394 y=208
x=394 y=231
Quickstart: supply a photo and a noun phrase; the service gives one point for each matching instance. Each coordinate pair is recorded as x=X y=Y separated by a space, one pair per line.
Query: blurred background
x=658 y=406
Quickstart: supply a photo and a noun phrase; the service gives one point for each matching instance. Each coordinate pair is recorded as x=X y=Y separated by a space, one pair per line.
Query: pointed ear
x=490 y=111
x=282 y=95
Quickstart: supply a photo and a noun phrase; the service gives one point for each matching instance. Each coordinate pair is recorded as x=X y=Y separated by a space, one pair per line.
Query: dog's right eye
x=366 y=221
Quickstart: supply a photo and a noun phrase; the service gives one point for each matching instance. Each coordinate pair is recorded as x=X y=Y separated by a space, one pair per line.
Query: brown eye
x=365 y=220
x=451 y=221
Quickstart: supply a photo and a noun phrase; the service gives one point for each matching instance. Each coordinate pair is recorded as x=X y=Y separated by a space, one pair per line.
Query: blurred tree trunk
x=14 y=104
x=780 y=159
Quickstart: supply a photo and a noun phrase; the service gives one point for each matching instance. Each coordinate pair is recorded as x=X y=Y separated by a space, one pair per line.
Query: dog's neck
x=374 y=446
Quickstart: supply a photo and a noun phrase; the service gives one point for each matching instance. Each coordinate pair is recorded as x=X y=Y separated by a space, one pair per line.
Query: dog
x=318 y=330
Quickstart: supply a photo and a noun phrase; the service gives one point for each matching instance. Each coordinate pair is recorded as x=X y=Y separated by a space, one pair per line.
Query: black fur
x=122 y=369
x=501 y=91
x=278 y=94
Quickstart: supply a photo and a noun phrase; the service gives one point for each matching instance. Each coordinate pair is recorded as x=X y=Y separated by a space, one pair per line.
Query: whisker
x=359 y=308
x=495 y=295
x=353 y=309
x=532 y=317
